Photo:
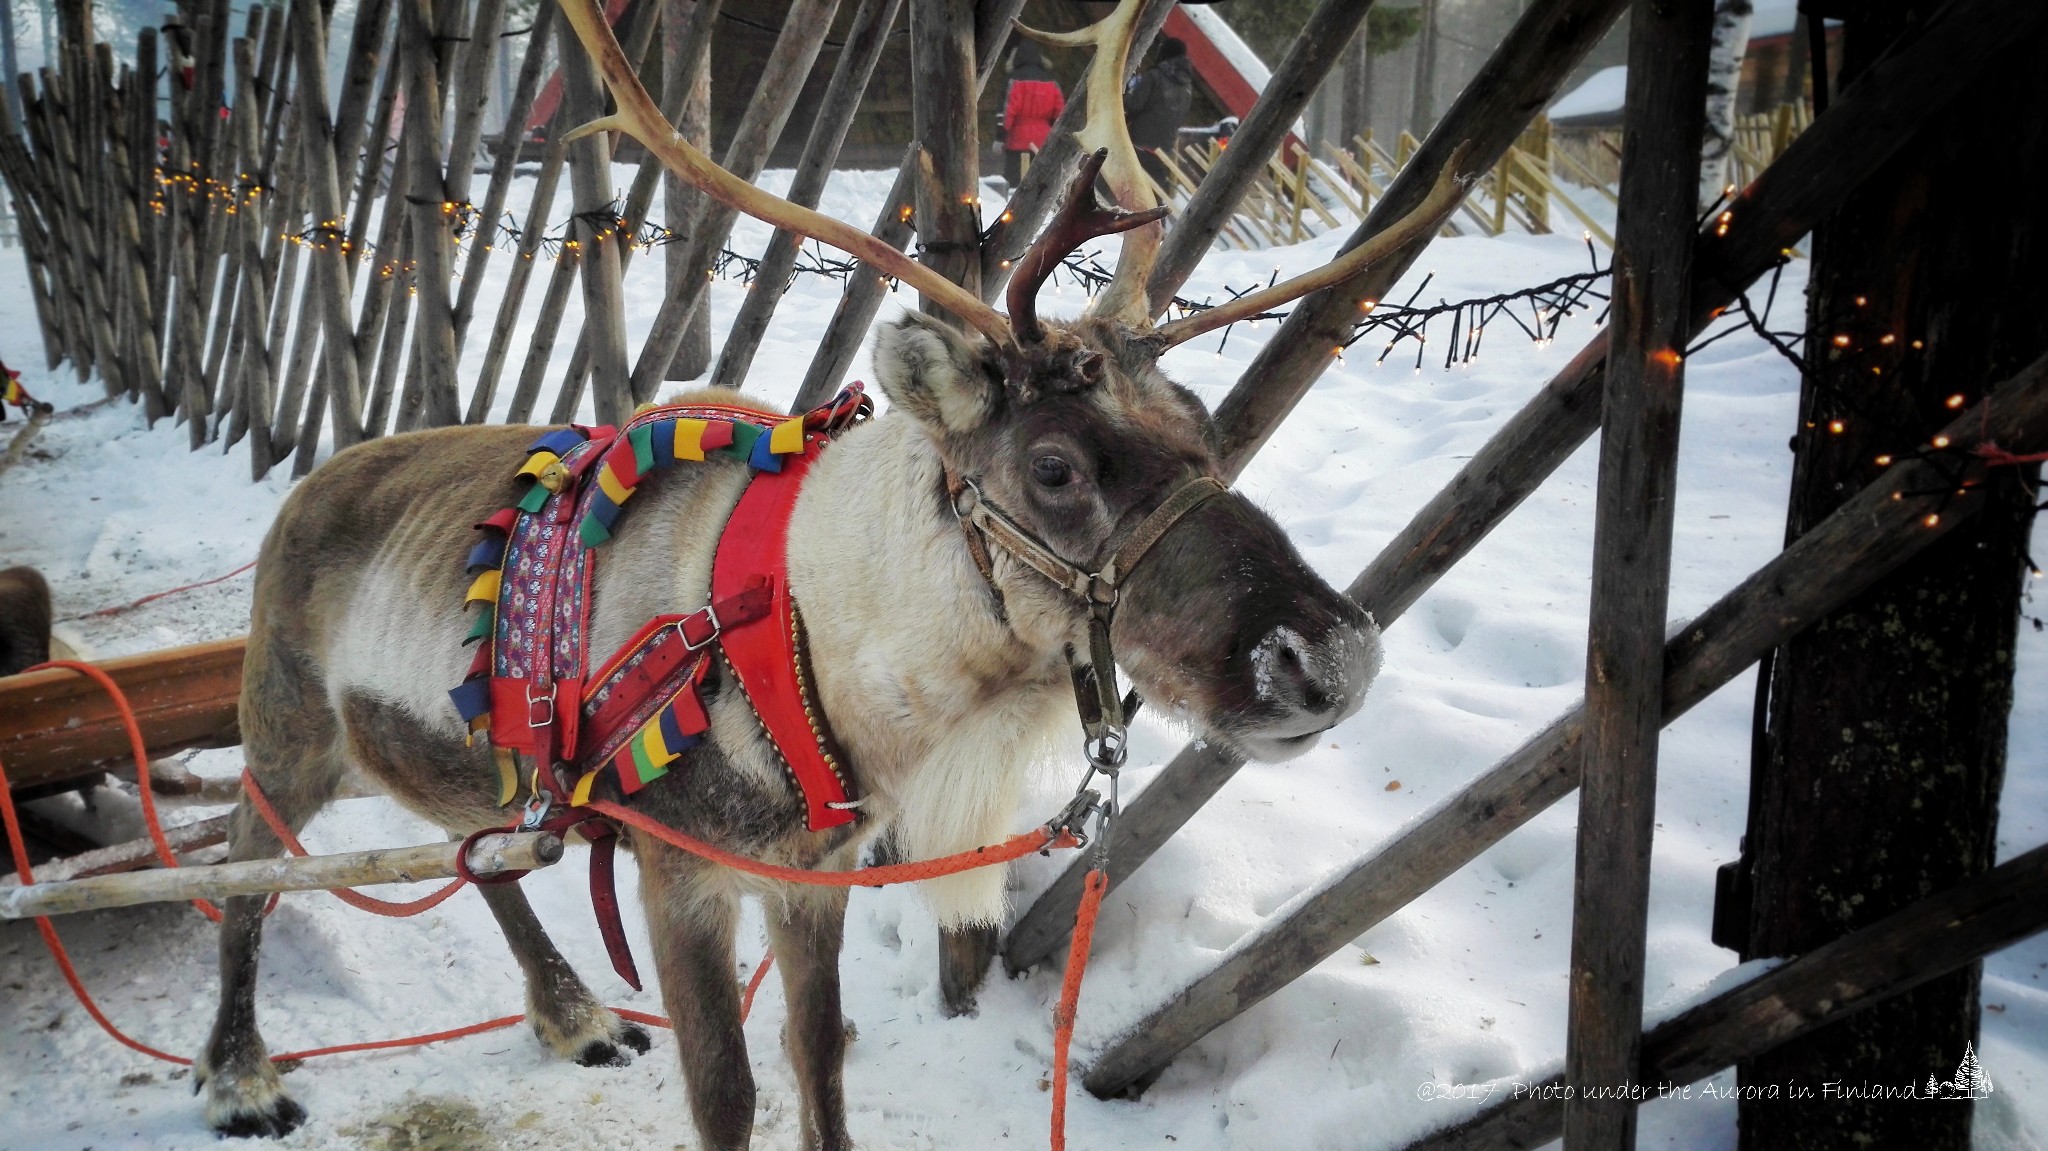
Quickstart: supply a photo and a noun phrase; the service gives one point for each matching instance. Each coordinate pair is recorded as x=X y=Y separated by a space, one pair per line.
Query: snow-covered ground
x=1466 y=985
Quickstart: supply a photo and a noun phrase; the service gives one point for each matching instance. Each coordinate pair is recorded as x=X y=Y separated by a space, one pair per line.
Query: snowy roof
x=1230 y=44
x=1602 y=92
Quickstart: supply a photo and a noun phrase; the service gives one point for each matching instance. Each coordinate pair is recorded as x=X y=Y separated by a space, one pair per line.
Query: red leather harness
x=529 y=688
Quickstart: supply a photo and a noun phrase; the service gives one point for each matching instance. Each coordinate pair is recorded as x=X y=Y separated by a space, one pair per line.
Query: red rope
x=117 y=609
x=354 y=899
x=1016 y=847
x=1070 y=999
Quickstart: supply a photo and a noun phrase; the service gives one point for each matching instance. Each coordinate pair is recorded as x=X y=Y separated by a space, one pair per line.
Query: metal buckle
x=716 y=627
x=533 y=703
x=536 y=808
x=1108 y=749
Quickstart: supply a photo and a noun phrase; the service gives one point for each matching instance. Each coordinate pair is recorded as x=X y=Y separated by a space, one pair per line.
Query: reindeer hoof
x=635 y=1036
x=603 y=1053
x=281 y=1119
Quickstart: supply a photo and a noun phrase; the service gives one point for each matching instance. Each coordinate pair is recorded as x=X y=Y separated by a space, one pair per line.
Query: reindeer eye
x=1051 y=471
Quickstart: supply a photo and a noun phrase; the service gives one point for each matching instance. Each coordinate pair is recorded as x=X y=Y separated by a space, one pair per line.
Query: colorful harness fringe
x=14 y=395
x=528 y=689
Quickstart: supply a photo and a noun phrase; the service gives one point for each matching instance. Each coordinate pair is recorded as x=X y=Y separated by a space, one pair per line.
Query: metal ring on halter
x=1108 y=750
x=536 y=808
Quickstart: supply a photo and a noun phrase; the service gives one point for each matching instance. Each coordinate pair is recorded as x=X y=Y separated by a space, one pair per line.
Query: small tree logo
x=1970 y=1081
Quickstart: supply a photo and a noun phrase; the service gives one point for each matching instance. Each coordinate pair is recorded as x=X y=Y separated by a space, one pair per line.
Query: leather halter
x=1103 y=710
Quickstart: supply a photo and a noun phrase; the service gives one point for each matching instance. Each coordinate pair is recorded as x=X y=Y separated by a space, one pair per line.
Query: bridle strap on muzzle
x=1095 y=688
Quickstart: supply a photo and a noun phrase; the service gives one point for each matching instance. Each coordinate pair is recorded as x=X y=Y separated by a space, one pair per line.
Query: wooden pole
x=505 y=164
x=491 y=855
x=259 y=364
x=329 y=264
x=863 y=47
x=862 y=296
x=432 y=220
x=942 y=116
x=1638 y=486
x=515 y=289
x=1516 y=83
x=1319 y=47
x=1869 y=536
x=590 y=180
x=1905 y=950
x=796 y=48
x=686 y=29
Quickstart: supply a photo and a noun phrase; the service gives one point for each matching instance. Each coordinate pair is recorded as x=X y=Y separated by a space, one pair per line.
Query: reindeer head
x=1071 y=443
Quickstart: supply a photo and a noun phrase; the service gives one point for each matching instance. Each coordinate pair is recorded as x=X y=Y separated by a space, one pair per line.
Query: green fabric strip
x=643 y=448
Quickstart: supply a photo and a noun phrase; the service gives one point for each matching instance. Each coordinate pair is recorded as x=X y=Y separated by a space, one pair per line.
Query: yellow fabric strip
x=538 y=462
x=656 y=748
x=788 y=437
x=508 y=775
x=690 y=440
x=581 y=795
x=612 y=487
x=485 y=589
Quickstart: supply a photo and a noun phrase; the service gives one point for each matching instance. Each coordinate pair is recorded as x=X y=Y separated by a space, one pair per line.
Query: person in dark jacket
x=1156 y=104
x=1030 y=106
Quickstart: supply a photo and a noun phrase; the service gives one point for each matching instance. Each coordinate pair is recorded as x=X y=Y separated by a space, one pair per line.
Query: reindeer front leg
x=691 y=914
x=806 y=937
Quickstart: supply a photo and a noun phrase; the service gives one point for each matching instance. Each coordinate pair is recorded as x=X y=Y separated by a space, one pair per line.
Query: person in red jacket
x=1032 y=103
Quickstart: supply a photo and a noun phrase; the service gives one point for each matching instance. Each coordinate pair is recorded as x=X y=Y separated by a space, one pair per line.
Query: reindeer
x=942 y=638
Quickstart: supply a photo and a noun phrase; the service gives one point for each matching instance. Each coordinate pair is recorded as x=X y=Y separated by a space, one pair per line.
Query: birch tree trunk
x=1724 y=80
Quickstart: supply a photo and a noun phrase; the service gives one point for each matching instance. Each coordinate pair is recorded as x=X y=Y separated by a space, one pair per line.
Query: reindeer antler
x=1107 y=132
x=639 y=117
x=1082 y=217
x=1427 y=217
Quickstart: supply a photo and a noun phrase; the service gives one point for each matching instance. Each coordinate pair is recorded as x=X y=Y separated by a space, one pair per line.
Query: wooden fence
x=151 y=242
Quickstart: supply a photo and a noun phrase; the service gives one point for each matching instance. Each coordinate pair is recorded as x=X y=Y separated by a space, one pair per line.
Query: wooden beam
x=1516 y=83
x=1638 y=488
x=183 y=838
x=493 y=854
x=590 y=180
x=330 y=292
x=431 y=223
x=1923 y=942
x=856 y=65
x=1869 y=536
x=57 y=724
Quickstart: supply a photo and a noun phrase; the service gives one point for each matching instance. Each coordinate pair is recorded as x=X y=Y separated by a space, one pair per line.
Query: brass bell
x=553 y=476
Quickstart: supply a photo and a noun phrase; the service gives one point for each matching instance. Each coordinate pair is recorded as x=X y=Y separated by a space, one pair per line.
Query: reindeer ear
x=935 y=373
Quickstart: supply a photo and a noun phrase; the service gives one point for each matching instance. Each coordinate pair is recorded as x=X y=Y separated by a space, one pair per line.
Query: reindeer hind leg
x=290 y=740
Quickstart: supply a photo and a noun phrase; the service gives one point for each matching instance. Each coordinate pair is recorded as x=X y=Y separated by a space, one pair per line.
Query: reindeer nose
x=1321 y=681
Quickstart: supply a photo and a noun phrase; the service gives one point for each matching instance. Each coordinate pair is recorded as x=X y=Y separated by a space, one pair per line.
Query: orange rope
x=1015 y=847
x=117 y=609
x=1070 y=999
x=140 y=751
x=354 y=899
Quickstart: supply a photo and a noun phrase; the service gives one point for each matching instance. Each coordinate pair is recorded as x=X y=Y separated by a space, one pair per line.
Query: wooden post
x=505 y=164
x=515 y=288
x=942 y=115
x=686 y=62
x=1321 y=44
x=1838 y=980
x=259 y=365
x=1872 y=120
x=1647 y=336
x=492 y=854
x=431 y=218
x=796 y=48
x=863 y=47
x=862 y=297
x=1516 y=83
x=329 y=264
x=604 y=300
x=1869 y=536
